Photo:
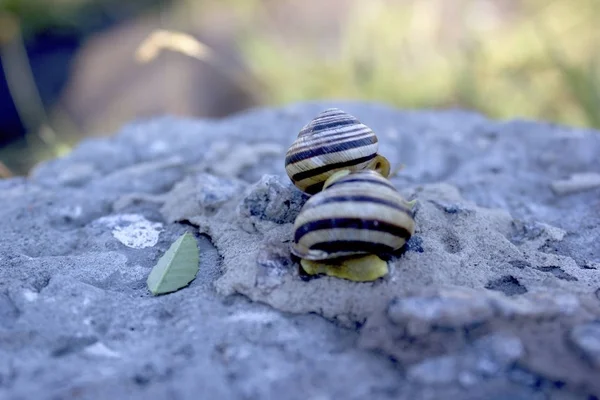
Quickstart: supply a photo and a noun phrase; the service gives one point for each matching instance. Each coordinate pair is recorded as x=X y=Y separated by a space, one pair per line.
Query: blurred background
x=77 y=68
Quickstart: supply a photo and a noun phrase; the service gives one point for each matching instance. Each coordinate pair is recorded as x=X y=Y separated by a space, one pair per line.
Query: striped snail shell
x=359 y=213
x=332 y=141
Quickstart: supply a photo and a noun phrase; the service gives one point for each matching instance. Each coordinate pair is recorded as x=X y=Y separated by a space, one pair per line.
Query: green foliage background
x=541 y=62
x=535 y=59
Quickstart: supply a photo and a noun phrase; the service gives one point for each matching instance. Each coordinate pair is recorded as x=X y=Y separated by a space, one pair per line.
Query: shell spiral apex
x=358 y=213
x=334 y=140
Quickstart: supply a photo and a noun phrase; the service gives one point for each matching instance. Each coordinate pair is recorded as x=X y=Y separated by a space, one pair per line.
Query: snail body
x=332 y=141
x=360 y=269
x=357 y=213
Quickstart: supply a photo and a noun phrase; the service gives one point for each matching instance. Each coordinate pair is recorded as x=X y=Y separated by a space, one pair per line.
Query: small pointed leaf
x=176 y=268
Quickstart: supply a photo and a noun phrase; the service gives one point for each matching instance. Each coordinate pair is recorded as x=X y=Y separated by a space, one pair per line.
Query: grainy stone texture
x=496 y=296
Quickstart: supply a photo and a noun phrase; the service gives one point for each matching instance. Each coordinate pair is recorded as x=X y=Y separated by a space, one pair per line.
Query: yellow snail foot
x=361 y=269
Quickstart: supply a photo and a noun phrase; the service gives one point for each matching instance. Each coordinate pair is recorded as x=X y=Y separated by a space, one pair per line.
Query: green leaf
x=176 y=268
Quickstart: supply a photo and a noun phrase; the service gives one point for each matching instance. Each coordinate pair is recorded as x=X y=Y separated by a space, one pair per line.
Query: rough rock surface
x=496 y=296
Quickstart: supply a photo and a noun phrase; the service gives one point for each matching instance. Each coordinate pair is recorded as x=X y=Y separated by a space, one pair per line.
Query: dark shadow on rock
x=508 y=284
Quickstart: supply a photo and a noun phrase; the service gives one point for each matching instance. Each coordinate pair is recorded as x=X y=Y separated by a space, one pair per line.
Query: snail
x=358 y=213
x=331 y=142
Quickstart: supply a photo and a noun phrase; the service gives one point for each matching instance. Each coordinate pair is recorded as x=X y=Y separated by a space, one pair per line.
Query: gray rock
x=586 y=337
x=452 y=310
x=488 y=357
x=198 y=195
x=495 y=296
x=273 y=263
x=274 y=199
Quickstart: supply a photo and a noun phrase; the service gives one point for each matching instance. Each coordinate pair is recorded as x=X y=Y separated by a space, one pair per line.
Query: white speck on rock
x=73 y=212
x=467 y=378
x=440 y=370
x=158 y=147
x=576 y=183
x=99 y=349
x=30 y=295
x=259 y=317
x=133 y=230
x=233 y=161
x=77 y=173
x=586 y=338
x=392 y=133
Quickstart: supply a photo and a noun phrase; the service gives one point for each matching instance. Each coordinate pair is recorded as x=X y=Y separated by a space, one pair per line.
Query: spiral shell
x=360 y=213
x=332 y=141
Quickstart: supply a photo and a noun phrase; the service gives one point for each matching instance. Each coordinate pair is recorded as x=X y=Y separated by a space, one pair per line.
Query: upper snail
x=332 y=141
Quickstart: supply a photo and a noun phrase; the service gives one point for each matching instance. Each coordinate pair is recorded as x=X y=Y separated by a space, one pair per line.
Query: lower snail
x=333 y=141
x=357 y=213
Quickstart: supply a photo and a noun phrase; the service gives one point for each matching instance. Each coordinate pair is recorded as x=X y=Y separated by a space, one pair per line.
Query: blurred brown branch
x=19 y=78
x=5 y=172
x=184 y=43
x=26 y=97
